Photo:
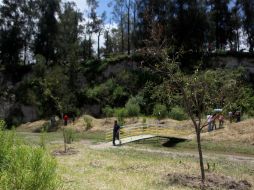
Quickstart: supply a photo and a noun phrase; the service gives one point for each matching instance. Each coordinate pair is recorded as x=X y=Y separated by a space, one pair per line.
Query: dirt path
x=183 y=153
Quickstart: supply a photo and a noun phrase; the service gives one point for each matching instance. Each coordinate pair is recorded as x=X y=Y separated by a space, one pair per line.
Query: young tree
x=200 y=93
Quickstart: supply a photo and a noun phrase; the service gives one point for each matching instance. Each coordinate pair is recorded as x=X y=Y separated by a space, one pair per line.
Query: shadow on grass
x=172 y=142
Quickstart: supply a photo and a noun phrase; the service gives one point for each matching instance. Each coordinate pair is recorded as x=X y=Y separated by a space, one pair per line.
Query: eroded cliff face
x=234 y=62
x=10 y=109
x=13 y=110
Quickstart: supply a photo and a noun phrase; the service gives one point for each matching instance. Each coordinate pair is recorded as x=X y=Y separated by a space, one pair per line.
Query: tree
x=200 y=93
x=45 y=40
x=119 y=17
x=248 y=21
x=68 y=45
x=189 y=25
x=219 y=17
x=11 y=25
x=235 y=27
x=96 y=23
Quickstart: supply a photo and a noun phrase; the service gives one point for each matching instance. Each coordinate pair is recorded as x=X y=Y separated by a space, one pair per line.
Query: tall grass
x=25 y=167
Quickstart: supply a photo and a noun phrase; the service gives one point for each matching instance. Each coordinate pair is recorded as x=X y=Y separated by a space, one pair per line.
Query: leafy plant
x=120 y=113
x=88 y=121
x=132 y=108
x=160 y=111
x=108 y=111
x=178 y=113
x=69 y=135
x=24 y=167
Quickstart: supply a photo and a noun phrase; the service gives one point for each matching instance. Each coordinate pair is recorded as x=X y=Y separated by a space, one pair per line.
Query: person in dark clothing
x=238 y=116
x=65 y=119
x=116 y=131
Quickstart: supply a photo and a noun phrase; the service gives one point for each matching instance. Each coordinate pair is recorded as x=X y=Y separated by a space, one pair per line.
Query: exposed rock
x=92 y=109
x=29 y=113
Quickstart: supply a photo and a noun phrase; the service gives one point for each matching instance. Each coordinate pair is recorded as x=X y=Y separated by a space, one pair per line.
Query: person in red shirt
x=65 y=119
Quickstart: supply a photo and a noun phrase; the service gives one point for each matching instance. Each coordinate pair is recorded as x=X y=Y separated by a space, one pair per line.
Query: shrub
x=178 y=113
x=160 y=111
x=88 y=121
x=108 y=111
x=2 y=124
x=120 y=113
x=132 y=109
x=24 y=167
x=69 y=135
x=29 y=168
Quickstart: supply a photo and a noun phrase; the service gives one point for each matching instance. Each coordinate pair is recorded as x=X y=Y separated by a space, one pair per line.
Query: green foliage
x=178 y=113
x=132 y=107
x=89 y=122
x=69 y=135
x=160 y=111
x=108 y=111
x=143 y=120
x=120 y=113
x=24 y=167
x=2 y=124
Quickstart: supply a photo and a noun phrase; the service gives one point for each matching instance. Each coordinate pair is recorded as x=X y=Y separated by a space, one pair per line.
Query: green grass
x=191 y=145
x=54 y=137
x=127 y=168
x=130 y=167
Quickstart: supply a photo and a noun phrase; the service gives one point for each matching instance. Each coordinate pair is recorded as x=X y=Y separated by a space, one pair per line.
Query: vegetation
x=25 y=167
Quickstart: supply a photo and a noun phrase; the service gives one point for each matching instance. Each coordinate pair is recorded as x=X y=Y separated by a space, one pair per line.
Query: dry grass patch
x=242 y=132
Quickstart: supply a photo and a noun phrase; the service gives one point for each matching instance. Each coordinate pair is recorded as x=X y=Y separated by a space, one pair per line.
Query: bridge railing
x=140 y=129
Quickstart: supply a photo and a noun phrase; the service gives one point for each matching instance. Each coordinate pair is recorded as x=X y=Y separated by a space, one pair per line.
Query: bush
x=69 y=135
x=120 y=113
x=178 y=113
x=24 y=167
x=132 y=109
x=108 y=111
x=29 y=168
x=88 y=121
x=160 y=111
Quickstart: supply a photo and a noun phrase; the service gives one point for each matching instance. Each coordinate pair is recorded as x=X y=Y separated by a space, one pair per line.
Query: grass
x=57 y=137
x=128 y=167
x=133 y=167
x=124 y=168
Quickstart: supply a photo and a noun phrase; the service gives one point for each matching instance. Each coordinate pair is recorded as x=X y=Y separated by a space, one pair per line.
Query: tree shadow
x=172 y=142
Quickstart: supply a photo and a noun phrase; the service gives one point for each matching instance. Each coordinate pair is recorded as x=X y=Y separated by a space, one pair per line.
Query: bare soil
x=212 y=182
x=69 y=151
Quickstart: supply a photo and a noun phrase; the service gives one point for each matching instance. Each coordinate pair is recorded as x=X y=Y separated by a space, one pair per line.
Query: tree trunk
x=202 y=170
x=129 y=46
x=122 y=33
x=99 y=45
x=134 y=27
x=90 y=46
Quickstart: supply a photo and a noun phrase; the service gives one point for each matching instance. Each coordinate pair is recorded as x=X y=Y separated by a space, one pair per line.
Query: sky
x=103 y=6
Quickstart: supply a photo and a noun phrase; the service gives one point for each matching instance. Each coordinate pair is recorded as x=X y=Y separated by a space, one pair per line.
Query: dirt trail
x=183 y=153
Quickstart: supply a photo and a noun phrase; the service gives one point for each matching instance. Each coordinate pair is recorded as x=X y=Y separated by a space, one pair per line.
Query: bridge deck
x=137 y=138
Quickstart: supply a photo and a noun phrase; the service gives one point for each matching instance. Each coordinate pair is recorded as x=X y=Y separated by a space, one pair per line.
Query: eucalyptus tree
x=46 y=37
x=248 y=21
x=11 y=25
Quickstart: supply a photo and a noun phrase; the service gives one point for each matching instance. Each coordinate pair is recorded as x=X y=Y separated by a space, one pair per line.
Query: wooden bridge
x=140 y=131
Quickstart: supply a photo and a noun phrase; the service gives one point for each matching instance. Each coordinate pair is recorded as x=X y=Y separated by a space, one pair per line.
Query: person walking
x=65 y=119
x=209 y=122
x=221 y=121
x=214 y=117
x=116 y=132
